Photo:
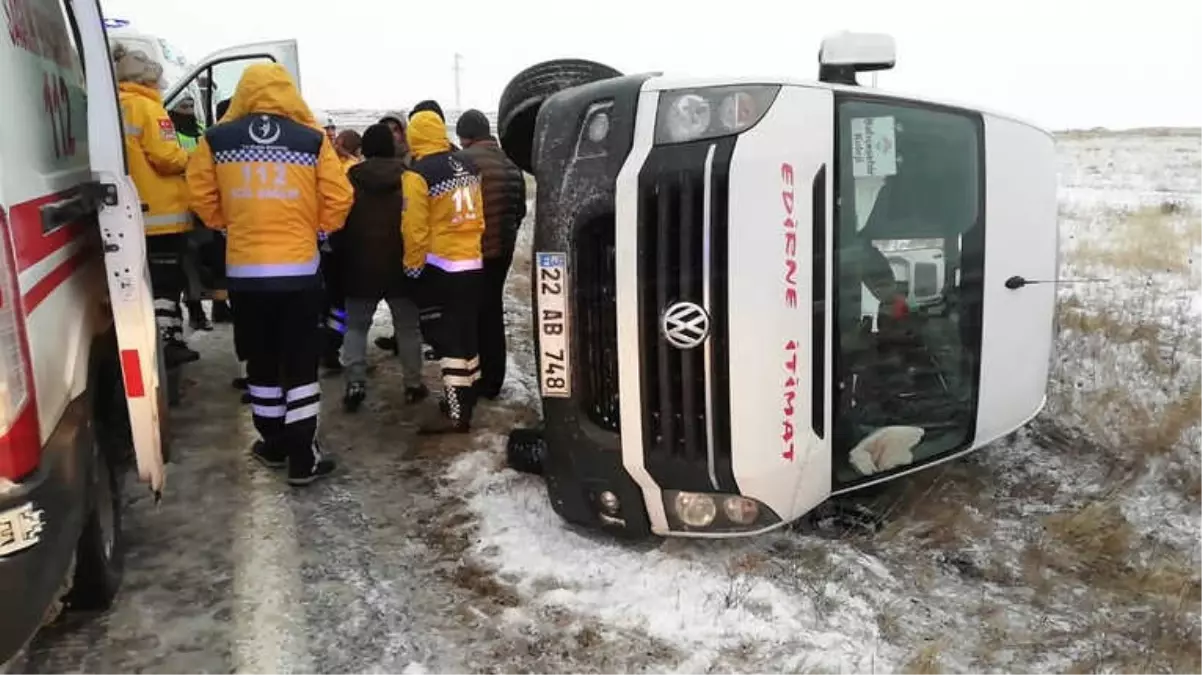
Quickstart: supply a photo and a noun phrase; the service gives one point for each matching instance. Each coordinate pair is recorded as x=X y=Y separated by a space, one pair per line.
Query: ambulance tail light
x=20 y=445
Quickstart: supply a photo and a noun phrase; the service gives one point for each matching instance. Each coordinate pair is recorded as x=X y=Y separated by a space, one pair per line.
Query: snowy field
x=361 y=119
x=1070 y=546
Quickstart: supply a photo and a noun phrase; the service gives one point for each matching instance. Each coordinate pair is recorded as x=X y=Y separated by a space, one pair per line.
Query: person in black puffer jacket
x=371 y=241
x=504 y=189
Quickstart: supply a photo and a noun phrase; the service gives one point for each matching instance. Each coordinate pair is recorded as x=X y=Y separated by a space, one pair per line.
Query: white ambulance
x=80 y=375
x=753 y=294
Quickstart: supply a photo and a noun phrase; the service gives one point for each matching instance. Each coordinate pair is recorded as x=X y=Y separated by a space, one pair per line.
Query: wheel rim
x=105 y=508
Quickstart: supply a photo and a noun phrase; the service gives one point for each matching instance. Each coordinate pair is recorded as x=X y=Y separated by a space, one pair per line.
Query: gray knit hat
x=135 y=66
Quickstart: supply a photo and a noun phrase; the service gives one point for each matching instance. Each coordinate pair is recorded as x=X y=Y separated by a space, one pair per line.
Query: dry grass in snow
x=1071 y=546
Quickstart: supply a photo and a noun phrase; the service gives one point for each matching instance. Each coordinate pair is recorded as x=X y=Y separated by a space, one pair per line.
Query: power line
x=458 y=69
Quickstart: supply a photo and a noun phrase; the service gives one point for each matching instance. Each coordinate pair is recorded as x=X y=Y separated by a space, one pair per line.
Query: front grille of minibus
x=673 y=381
x=596 y=323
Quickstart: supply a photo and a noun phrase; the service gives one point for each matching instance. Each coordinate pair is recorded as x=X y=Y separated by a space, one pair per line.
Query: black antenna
x=1016 y=282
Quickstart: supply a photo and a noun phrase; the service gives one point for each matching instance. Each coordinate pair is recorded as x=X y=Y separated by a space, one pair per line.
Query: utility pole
x=458 y=56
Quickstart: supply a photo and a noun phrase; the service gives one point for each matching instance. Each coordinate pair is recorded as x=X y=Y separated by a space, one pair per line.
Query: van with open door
x=217 y=75
x=751 y=294
x=80 y=371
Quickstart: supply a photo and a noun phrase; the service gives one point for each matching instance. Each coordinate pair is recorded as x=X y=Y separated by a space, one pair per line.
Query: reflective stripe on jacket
x=156 y=160
x=270 y=178
x=504 y=188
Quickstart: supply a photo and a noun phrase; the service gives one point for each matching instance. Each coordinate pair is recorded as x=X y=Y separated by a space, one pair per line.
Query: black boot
x=222 y=313
x=312 y=467
x=353 y=398
x=454 y=414
x=271 y=460
x=388 y=343
x=176 y=353
x=197 y=318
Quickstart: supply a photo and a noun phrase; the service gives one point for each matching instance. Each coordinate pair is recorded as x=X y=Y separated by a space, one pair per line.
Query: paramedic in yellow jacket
x=269 y=177
x=156 y=165
x=442 y=222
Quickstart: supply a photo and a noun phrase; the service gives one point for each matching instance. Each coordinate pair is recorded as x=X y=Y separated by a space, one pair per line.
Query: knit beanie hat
x=349 y=140
x=135 y=66
x=399 y=118
x=473 y=126
x=378 y=142
x=428 y=104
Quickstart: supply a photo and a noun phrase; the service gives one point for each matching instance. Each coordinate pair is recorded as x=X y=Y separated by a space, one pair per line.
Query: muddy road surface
x=364 y=572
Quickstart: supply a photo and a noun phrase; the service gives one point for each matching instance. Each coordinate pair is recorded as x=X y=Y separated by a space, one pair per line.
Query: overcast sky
x=1059 y=63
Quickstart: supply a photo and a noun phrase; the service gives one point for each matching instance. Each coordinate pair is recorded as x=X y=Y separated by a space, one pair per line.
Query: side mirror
x=842 y=55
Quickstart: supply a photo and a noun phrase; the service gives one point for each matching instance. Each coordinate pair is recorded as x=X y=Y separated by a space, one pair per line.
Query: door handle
x=77 y=206
x=78 y=203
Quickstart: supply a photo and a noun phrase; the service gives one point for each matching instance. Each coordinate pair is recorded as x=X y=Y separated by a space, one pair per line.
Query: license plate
x=554 y=362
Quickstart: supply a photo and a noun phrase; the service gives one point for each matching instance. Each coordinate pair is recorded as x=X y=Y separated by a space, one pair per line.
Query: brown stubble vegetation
x=1137 y=408
x=1125 y=406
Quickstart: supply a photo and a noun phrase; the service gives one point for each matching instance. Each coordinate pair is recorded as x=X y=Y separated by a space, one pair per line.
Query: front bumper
x=646 y=231
x=575 y=213
x=54 y=497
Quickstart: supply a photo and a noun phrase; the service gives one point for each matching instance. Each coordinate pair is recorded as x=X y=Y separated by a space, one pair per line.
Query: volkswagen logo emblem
x=685 y=325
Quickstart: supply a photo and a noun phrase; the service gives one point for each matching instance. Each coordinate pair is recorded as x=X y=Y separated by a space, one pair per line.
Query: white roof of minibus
x=667 y=82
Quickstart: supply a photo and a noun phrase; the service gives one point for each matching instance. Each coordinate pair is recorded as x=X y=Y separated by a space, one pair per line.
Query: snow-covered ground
x=1070 y=546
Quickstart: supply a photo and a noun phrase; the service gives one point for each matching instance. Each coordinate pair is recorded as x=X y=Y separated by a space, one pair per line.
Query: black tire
x=524 y=451
x=110 y=408
x=100 y=554
x=525 y=93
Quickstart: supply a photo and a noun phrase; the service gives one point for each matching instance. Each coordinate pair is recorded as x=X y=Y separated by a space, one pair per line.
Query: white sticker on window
x=873 y=147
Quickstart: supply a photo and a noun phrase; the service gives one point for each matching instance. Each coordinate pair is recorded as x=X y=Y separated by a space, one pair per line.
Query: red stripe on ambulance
x=30 y=244
x=131 y=366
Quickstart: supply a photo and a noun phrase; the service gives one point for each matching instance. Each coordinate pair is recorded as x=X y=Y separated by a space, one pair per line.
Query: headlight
x=695 y=509
x=741 y=510
x=594 y=131
x=686 y=117
x=693 y=114
x=713 y=512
